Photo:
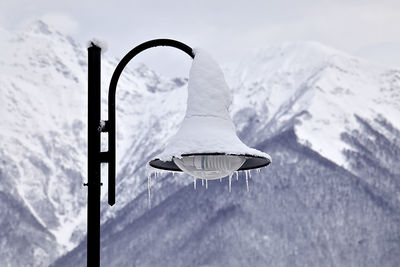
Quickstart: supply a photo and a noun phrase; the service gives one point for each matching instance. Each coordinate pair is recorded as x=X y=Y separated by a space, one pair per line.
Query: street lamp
x=206 y=146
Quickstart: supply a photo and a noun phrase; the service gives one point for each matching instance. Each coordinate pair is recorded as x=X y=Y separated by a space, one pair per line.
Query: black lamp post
x=225 y=154
x=96 y=126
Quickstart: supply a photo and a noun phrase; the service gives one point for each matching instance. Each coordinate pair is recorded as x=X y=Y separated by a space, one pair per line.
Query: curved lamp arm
x=110 y=125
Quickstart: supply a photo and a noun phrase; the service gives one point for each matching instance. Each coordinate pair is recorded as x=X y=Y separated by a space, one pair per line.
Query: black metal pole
x=94 y=161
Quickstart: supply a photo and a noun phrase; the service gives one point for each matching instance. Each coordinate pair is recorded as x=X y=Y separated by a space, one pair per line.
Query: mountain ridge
x=43 y=83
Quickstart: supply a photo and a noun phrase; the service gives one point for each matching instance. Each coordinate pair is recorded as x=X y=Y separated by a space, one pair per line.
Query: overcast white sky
x=227 y=29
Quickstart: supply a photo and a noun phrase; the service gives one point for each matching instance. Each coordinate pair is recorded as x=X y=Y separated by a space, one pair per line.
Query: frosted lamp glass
x=210 y=167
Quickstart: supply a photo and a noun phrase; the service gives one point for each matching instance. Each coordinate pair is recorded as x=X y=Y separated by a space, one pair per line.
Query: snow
x=208 y=93
x=99 y=43
x=101 y=126
x=42 y=74
x=334 y=105
x=149 y=189
x=318 y=90
x=207 y=126
x=43 y=80
x=230 y=183
x=247 y=183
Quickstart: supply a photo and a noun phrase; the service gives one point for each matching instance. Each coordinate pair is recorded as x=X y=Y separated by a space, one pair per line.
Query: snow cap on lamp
x=207 y=127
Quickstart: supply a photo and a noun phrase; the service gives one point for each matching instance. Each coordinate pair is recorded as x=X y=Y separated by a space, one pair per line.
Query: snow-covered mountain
x=43 y=81
x=322 y=88
x=331 y=196
x=42 y=143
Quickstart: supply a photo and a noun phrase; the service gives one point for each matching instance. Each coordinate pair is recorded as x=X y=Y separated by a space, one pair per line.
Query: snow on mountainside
x=43 y=84
x=319 y=90
x=306 y=97
x=303 y=211
x=42 y=74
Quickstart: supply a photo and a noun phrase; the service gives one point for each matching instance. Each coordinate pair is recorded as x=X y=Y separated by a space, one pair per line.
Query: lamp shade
x=206 y=145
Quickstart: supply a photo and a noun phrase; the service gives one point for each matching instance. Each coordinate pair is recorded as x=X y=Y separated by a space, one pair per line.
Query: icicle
x=194 y=182
x=202 y=182
x=237 y=175
x=247 y=175
x=149 y=189
x=220 y=180
x=206 y=184
x=247 y=183
x=230 y=182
